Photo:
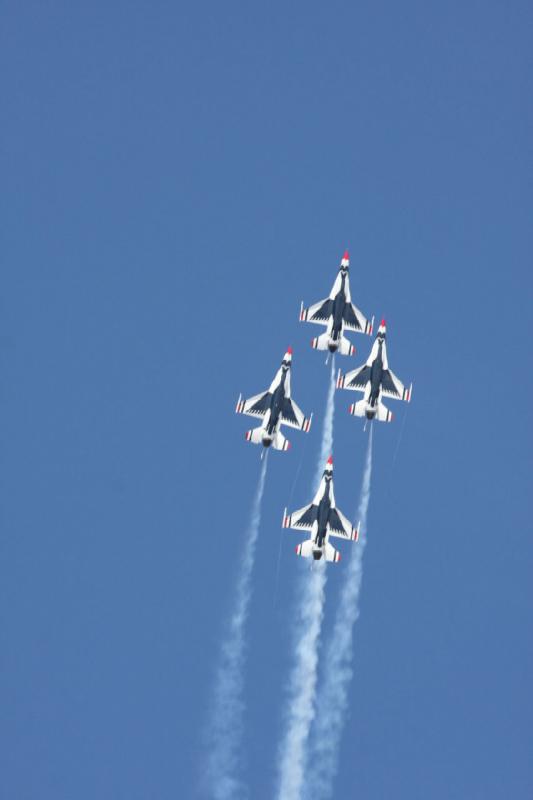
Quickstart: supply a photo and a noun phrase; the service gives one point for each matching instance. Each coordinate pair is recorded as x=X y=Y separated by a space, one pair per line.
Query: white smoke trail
x=302 y=686
x=338 y=670
x=226 y=727
x=302 y=682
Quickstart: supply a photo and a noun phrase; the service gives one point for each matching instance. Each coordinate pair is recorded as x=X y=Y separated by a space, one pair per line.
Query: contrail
x=224 y=767
x=302 y=682
x=338 y=670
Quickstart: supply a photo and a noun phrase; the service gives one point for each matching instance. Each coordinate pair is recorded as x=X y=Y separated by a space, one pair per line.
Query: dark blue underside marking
x=324 y=312
x=350 y=318
x=360 y=380
x=263 y=404
x=287 y=412
x=309 y=517
x=387 y=384
x=335 y=523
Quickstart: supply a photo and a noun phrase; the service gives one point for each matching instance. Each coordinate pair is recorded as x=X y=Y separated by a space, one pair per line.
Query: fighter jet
x=323 y=519
x=375 y=380
x=274 y=407
x=338 y=313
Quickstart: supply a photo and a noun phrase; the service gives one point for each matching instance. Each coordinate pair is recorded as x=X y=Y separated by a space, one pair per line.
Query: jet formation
x=275 y=407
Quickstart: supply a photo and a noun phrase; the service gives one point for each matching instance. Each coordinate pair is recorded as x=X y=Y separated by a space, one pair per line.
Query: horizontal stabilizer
x=346 y=348
x=255 y=435
x=331 y=554
x=279 y=442
x=320 y=342
x=358 y=409
x=383 y=413
x=305 y=549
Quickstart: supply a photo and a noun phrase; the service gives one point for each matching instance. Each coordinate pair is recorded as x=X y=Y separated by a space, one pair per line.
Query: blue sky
x=176 y=178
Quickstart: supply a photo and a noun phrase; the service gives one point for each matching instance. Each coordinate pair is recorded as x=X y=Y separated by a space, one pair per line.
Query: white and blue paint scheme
x=375 y=380
x=275 y=408
x=323 y=519
x=338 y=314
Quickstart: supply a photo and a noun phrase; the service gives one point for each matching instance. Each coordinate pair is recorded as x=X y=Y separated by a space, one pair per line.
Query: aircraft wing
x=319 y=313
x=355 y=320
x=302 y=519
x=357 y=379
x=256 y=406
x=391 y=386
x=340 y=526
x=293 y=416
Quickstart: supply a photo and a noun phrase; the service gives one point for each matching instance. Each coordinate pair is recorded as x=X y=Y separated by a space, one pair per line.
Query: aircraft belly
x=338 y=310
x=376 y=375
x=277 y=404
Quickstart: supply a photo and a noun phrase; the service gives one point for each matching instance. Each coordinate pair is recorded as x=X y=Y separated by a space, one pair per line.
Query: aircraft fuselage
x=338 y=313
x=276 y=405
x=376 y=376
x=322 y=519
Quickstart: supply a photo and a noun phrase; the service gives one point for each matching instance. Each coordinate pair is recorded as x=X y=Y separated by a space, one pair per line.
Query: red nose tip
x=330 y=460
x=289 y=350
x=346 y=255
x=383 y=323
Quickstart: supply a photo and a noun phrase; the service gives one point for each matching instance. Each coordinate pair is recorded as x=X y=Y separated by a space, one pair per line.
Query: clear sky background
x=176 y=177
